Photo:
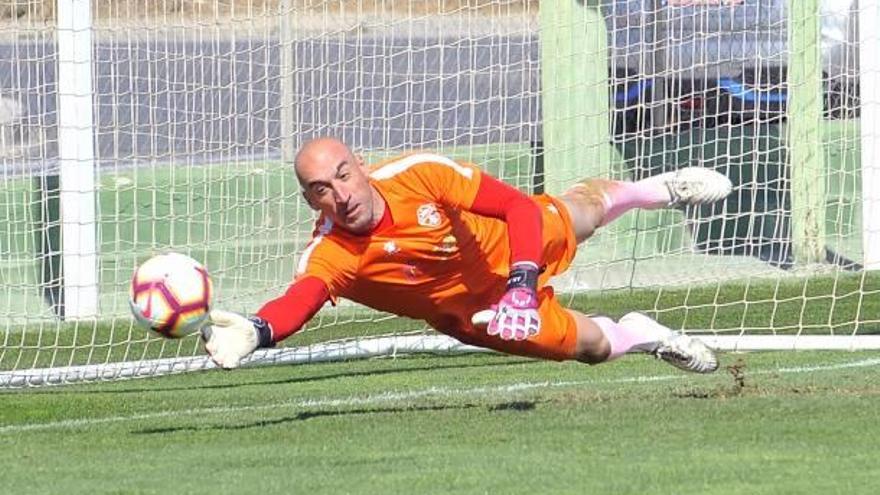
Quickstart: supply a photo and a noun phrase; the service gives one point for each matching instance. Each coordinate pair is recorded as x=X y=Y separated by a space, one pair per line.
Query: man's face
x=335 y=182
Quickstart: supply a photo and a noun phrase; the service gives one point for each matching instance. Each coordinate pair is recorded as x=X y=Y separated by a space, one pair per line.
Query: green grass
x=244 y=221
x=766 y=423
x=770 y=424
x=841 y=304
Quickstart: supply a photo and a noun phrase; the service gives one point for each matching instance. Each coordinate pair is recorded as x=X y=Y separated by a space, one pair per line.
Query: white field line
x=390 y=397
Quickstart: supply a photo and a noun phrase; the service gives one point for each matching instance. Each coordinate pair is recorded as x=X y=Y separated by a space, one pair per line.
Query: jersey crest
x=428 y=216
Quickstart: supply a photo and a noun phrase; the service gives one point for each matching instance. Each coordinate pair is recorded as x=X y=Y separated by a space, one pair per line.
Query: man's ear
x=359 y=159
x=305 y=196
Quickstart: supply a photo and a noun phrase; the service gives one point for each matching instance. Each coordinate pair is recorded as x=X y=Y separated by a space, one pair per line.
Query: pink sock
x=623 y=339
x=620 y=197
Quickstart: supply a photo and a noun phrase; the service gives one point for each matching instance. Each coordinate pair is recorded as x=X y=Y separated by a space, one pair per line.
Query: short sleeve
x=447 y=181
x=328 y=260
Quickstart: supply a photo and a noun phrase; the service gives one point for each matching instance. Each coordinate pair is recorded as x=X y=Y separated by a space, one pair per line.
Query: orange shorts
x=558 y=337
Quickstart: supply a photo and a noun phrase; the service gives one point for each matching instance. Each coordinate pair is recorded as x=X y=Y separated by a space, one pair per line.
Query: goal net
x=132 y=127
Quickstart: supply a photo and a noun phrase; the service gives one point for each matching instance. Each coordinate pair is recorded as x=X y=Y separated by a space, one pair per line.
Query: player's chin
x=356 y=224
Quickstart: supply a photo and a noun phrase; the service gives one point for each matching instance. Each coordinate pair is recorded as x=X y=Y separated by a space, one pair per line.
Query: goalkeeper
x=438 y=240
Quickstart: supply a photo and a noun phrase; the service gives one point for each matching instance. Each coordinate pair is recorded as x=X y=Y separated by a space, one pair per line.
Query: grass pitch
x=765 y=423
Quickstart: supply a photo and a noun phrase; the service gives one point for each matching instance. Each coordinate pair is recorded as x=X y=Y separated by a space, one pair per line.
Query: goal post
x=574 y=93
x=286 y=36
x=679 y=70
x=170 y=126
x=808 y=191
x=76 y=159
x=869 y=76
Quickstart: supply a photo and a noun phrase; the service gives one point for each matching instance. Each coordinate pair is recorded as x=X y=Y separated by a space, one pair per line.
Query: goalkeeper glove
x=232 y=337
x=516 y=315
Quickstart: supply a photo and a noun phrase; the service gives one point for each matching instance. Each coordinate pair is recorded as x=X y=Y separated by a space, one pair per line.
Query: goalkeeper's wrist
x=264 y=332
x=523 y=275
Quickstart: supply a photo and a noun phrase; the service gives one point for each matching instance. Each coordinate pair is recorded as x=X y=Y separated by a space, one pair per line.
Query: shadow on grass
x=303 y=416
x=518 y=406
x=291 y=380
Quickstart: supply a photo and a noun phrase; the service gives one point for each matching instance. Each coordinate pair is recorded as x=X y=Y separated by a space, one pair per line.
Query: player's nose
x=340 y=196
x=343 y=203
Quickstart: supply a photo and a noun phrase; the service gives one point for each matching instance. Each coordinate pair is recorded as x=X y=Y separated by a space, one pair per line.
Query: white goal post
x=131 y=127
x=869 y=77
x=76 y=161
x=374 y=347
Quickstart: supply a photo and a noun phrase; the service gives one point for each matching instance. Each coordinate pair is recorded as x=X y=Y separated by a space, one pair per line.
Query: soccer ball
x=171 y=295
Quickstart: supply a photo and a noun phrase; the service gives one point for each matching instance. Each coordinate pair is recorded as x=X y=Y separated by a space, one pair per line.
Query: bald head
x=322 y=153
x=335 y=182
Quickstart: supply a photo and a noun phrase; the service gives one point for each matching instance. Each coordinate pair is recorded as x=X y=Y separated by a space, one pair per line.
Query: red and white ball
x=171 y=295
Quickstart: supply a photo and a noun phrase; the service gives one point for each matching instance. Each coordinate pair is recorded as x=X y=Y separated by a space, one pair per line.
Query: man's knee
x=594 y=352
x=586 y=206
x=588 y=192
x=592 y=347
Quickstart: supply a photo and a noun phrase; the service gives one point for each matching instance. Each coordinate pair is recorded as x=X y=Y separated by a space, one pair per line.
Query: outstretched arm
x=516 y=315
x=523 y=216
x=288 y=313
x=232 y=337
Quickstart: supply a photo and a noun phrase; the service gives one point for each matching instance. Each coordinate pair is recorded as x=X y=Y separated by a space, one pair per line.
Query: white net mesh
x=198 y=105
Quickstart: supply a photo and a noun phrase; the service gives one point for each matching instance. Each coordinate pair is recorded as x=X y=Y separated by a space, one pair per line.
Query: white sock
x=624 y=339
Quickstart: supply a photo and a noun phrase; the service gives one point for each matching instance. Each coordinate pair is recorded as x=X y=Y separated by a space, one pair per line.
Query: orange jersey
x=437 y=261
